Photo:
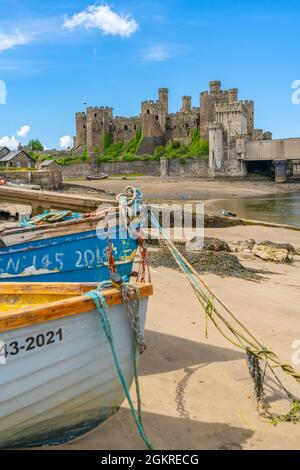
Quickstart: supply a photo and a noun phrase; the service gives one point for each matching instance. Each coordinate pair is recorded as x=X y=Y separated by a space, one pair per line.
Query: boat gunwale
x=50 y=311
x=66 y=223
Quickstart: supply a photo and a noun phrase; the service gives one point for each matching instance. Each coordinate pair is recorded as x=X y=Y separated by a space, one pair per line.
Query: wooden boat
x=36 y=187
x=59 y=380
x=100 y=176
x=68 y=251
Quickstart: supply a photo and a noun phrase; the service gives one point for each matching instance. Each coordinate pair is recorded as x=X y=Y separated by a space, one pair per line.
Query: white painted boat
x=58 y=379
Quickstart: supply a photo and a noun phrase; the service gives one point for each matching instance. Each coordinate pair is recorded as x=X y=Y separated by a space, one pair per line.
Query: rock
x=218 y=221
x=247 y=245
x=209 y=244
x=204 y=261
x=285 y=246
x=272 y=253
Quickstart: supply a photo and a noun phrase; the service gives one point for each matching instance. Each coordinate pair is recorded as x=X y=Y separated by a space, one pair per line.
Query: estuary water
x=278 y=208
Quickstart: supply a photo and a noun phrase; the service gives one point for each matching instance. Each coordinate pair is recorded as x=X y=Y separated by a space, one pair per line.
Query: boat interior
x=23 y=304
x=16 y=296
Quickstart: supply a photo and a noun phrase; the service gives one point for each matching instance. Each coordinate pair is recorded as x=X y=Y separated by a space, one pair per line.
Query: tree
x=35 y=145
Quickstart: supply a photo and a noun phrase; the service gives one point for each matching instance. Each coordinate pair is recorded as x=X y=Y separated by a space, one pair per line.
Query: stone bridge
x=281 y=149
x=284 y=153
x=234 y=155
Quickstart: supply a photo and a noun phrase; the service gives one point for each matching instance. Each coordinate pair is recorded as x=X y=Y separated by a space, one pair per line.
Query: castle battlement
x=159 y=127
x=231 y=107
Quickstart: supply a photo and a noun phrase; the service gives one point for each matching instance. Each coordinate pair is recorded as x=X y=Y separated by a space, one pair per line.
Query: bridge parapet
x=282 y=149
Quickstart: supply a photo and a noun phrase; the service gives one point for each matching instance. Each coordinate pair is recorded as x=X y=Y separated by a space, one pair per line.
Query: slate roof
x=13 y=154
x=48 y=162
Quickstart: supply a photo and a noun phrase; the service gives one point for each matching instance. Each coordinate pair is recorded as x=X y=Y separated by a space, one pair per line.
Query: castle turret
x=215 y=87
x=249 y=105
x=216 y=148
x=186 y=104
x=163 y=94
x=233 y=116
x=98 y=124
x=81 y=132
x=154 y=118
x=233 y=95
x=163 y=106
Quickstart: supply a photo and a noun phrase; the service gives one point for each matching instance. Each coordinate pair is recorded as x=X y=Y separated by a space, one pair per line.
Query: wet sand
x=196 y=392
x=182 y=189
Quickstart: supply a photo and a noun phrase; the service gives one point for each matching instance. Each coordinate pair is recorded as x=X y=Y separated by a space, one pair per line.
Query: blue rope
x=101 y=305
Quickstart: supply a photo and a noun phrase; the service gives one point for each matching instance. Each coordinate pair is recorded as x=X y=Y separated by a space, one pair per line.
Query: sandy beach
x=196 y=392
x=182 y=189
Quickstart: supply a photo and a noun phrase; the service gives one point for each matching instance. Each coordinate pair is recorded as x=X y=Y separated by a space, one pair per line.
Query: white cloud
x=65 y=142
x=9 y=41
x=103 y=18
x=158 y=53
x=3 y=92
x=23 y=131
x=9 y=142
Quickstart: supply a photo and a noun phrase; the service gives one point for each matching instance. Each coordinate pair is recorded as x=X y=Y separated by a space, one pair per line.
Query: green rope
x=244 y=339
x=101 y=305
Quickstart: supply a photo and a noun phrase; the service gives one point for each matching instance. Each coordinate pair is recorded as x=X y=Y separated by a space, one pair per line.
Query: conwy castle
x=223 y=119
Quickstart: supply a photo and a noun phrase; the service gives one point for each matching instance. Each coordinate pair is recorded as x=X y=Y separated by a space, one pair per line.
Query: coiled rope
x=238 y=334
x=132 y=309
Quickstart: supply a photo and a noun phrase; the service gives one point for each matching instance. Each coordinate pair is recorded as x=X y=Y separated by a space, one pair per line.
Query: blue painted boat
x=73 y=251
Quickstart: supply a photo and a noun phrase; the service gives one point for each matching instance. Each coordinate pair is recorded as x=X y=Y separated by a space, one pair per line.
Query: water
x=279 y=208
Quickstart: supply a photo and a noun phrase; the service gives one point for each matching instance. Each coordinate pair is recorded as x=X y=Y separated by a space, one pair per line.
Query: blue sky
x=55 y=55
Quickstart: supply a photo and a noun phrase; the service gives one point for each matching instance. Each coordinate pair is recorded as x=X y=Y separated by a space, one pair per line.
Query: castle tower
x=81 y=132
x=216 y=148
x=232 y=95
x=163 y=99
x=154 y=119
x=209 y=101
x=234 y=118
x=215 y=87
x=249 y=105
x=163 y=106
x=186 y=104
x=98 y=124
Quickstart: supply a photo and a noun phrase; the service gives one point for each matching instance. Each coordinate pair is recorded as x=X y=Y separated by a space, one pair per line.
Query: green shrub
x=121 y=151
x=70 y=160
x=198 y=146
x=160 y=152
x=133 y=145
x=35 y=145
x=96 y=151
x=106 y=141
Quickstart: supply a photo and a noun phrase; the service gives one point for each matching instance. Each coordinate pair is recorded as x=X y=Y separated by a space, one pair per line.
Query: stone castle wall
x=174 y=167
x=159 y=127
x=44 y=178
x=223 y=119
x=76 y=170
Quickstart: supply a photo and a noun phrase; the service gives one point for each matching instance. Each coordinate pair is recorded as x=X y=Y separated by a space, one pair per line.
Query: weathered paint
x=70 y=258
x=58 y=392
x=17 y=302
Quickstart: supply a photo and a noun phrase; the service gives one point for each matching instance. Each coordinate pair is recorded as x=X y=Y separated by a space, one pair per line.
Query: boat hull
x=54 y=393
x=74 y=257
